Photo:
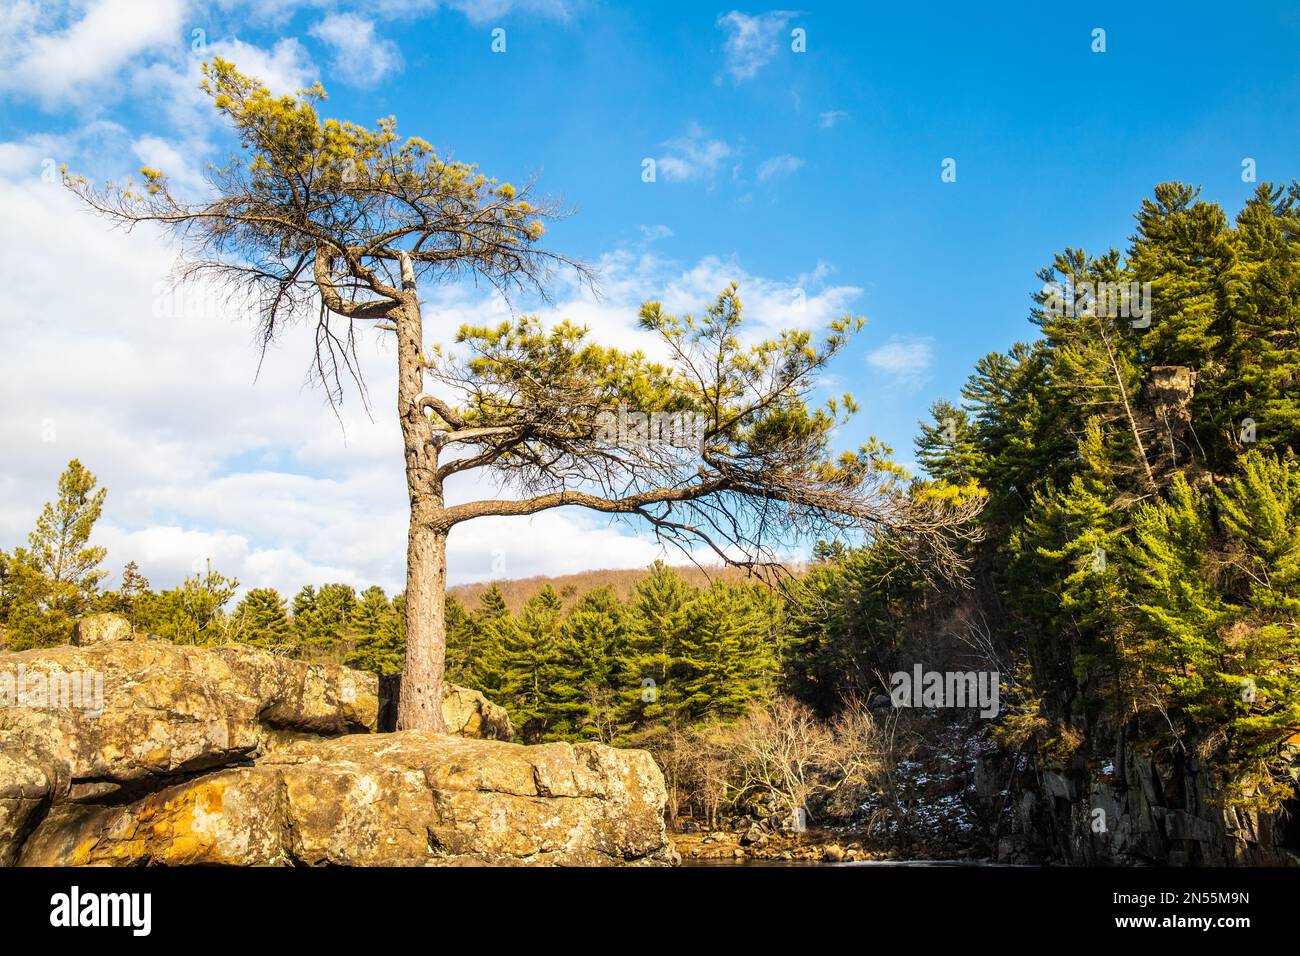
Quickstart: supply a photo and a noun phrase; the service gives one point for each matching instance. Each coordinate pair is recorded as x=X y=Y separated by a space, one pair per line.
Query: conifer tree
x=1260 y=509
x=528 y=646
x=130 y=591
x=1181 y=612
x=261 y=618
x=375 y=634
x=485 y=640
x=193 y=613
x=338 y=224
x=55 y=580
x=462 y=644
x=336 y=605
x=582 y=676
x=724 y=663
x=307 y=628
x=947 y=449
x=658 y=614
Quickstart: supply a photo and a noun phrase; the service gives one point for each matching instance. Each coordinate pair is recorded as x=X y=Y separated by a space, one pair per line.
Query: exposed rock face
x=1149 y=812
x=111 y=719
x=1171 y=391
x=403 y=799
x=147 y=709
x=236 y=756
x=100 y=628
x=469 y=714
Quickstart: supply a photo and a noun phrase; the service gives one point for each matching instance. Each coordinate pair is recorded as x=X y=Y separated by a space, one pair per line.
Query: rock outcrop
x=401 y=799
x=100 y=628
x=139 y=751
x=469 y=714
x=1144 y=810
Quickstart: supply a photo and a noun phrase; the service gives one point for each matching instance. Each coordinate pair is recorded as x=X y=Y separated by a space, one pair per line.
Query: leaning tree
x=713 y=444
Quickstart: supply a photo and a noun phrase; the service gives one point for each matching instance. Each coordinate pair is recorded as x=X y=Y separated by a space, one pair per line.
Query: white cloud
x=778 y=166
x=159 y=154
x=655 y=233
x=485 y=11
x=628 y=278
x=478 y=12
x=904 y=359
x=752 y=41
x=285 y=68
x=65 y=62
x=693 y=156
x=831 y=118
x=359 y=56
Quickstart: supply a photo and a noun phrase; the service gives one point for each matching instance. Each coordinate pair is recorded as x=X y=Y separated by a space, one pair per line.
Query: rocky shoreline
x=827 y=845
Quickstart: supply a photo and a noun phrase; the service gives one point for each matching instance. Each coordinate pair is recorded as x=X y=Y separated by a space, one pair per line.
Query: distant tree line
x=602 y=669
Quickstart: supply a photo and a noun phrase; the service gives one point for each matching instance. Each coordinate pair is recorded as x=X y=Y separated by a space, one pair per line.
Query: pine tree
x=1265 y=350
x=581 y=678
x=336 y=604
x=846 y=622
x=1181 y=612
x=192 y=614
x=1184 y=248
x=308 y=631
x=55 y=580
x=1261 y=511
x=1095 y=360
x=948 y=450
x=130 y=591
x=261 y=618
x=1064 y=573
x=724 y=664
x=528 y=646
x=492 y=604
x=379 y=644
x=483 y=639
x=1018 y=426
x=658 y=614
x=462 y=644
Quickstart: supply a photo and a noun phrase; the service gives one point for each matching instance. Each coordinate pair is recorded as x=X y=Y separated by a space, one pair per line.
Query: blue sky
x=811 y=173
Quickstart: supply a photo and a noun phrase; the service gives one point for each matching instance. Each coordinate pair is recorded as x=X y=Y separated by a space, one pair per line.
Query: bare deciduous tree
x=786 y=753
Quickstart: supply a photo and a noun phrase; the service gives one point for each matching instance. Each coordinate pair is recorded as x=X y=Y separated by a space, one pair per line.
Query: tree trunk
x=420 y=704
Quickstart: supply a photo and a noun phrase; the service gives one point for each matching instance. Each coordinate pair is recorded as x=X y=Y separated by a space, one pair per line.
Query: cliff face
x=236 y=756
x=1143 y=810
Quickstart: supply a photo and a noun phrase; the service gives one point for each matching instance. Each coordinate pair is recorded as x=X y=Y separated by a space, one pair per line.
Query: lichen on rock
x=236 y=756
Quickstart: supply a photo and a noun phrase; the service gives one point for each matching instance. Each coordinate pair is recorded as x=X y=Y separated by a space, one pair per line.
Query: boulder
x=131 y=712
x=101 y=628
x=469 y=714
x=162 y=754
x=26 y=781
x=403 y=799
